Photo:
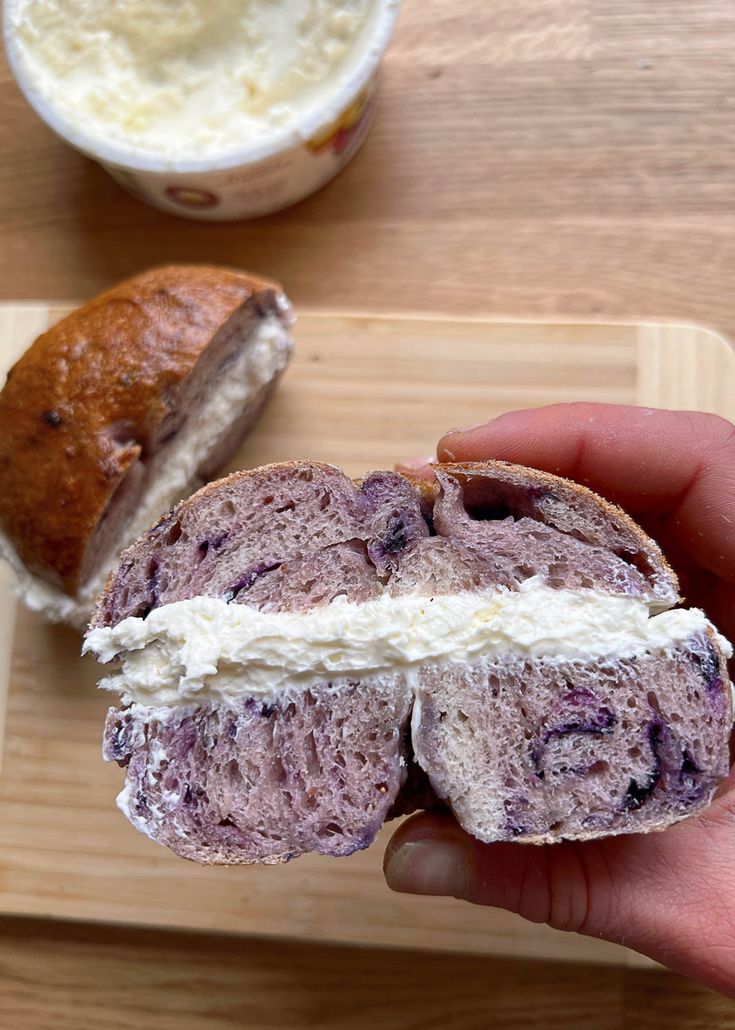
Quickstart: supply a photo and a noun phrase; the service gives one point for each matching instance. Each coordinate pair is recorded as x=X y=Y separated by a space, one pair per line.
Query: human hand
x=668 y=895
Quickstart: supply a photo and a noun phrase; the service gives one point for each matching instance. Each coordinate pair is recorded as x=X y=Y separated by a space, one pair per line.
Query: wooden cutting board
x=362 y=392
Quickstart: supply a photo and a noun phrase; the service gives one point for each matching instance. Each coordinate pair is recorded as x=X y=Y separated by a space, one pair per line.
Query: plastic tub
x=262 y=176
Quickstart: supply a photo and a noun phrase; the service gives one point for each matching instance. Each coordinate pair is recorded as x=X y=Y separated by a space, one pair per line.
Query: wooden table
x=531 y=158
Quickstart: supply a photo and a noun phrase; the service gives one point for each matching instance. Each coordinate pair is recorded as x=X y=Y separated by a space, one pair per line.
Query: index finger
x=677 y=465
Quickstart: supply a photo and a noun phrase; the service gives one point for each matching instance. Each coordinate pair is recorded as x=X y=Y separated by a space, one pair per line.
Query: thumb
x=670 y=896
x=431 y=854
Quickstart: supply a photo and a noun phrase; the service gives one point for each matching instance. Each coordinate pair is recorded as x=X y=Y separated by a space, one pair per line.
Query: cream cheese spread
x=172 y=472
x=175 y=79
x=203 y=649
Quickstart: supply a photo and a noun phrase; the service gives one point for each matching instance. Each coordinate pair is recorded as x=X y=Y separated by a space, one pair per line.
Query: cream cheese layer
x=206 y=650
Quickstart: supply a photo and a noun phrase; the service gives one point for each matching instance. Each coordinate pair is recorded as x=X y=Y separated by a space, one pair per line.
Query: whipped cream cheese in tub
x=211 y=109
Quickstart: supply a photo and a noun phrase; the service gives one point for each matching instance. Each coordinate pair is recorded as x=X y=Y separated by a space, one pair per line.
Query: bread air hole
x=489 y=513
x=279 y=771
x=232 y=774
x=313 y=766
x=639 y=561
x=652 y=699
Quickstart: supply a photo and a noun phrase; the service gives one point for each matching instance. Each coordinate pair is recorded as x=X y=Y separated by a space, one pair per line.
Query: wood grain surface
x=531 y=158
x=63 y=977
x=360 y=392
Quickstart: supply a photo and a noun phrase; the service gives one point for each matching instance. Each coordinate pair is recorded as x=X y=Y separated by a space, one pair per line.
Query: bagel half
x=127 y=405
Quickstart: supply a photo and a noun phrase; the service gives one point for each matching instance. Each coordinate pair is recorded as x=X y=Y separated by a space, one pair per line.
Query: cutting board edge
x=614 y=955
x=503 y=319
x=495 y=319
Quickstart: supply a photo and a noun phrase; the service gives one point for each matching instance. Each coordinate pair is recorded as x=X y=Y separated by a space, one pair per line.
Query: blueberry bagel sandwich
x=300 y=657
x=122 y=408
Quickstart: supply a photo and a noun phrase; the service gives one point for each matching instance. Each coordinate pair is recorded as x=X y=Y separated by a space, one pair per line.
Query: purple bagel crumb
x=396 y=518
x=246 y=580
x=153 y=571
x=395 y=540
x=517 y=812
x=688 y=765
x=117 y=745
x=600 y=721
x=211 y=544
x=316 y=770
x=710 y=666
x=638 y=793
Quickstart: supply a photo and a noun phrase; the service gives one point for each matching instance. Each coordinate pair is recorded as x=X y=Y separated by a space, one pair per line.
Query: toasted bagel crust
x=85 y=401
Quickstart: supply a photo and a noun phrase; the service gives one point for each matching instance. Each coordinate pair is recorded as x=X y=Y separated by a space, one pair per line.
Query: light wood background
x=91 y=979
x=531 y=158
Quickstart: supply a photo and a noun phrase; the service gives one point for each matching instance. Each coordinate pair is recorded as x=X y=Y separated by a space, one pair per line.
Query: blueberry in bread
x=123 y=407
x=301 y=657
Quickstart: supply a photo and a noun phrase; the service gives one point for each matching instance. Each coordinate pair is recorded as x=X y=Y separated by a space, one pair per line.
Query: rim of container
x=117 y=155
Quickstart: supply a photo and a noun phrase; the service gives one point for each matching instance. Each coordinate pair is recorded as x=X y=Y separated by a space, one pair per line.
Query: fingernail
x=439 y=868
x=464 y=429
x=416 y=463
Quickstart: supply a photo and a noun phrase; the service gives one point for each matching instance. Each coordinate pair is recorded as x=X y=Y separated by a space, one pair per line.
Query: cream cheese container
x=211 y=109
